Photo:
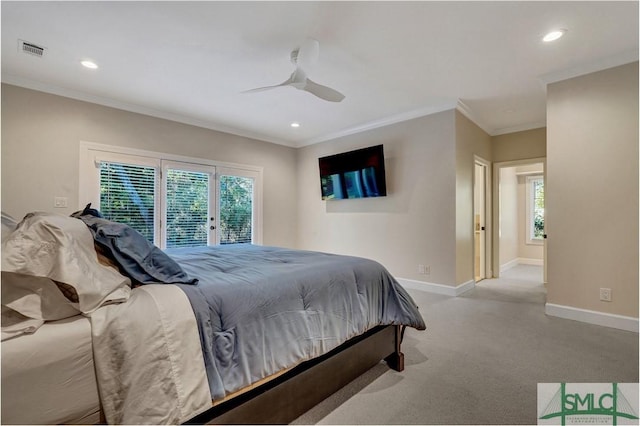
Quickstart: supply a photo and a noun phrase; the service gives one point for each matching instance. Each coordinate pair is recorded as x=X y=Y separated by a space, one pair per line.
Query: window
x=236 y=207
x=127 y=194
x=187 y=205
x=535 y=209
x=173 y=201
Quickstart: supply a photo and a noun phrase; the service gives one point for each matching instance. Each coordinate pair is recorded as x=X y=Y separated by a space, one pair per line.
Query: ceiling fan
x=306 y=56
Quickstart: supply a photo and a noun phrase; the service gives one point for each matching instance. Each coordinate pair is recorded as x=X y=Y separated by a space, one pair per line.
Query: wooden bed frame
x=283 y=399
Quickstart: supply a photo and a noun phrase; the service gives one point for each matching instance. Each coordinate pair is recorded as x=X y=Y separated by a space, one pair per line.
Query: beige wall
x=414 y=224
x=519 y=145
x=40 y=149
x=470 y=140
x=592 y=197
x=427 y=217
x=429 y=164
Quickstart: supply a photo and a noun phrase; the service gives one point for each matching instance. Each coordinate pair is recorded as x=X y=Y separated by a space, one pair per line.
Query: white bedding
x=147 y=347
x=48 y=377
x=143 y=355
x=58 y=249
x=148 y=358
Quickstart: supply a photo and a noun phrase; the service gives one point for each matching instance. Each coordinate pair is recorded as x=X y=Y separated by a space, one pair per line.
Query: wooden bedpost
x=396 y=359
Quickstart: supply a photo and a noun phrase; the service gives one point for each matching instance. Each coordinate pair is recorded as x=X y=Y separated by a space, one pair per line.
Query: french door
x=187 y=205
x=180 y=204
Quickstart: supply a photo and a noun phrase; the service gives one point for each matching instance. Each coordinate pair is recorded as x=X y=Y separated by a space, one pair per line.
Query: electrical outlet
x=605 y=294
x=424 y=269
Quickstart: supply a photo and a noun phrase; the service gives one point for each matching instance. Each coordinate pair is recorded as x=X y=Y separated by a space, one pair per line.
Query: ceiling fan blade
x=288 y=82
x=323 y=92
x=261 y=89
x=308 y=53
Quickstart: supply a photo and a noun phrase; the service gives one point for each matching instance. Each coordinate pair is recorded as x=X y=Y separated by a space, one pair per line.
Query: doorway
x=519 y=237
x=481 y=211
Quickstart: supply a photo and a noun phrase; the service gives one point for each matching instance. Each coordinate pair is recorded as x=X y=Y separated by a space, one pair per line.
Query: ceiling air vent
x=30 y=48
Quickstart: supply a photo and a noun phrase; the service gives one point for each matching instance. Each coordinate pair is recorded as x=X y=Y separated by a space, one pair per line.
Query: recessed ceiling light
x=553 y=35
x=295 y=124
x=89 y=64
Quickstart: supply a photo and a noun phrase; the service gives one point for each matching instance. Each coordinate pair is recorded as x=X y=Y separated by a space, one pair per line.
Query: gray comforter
x=264 y=309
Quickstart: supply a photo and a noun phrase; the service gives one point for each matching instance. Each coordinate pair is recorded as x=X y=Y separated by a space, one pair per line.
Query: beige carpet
x=480 y=360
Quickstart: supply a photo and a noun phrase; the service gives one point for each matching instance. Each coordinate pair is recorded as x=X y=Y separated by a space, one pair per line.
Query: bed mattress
x=35 y=367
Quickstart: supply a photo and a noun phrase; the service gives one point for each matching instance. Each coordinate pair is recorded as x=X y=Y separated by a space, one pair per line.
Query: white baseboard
x=510 y=264
x=567 y=312
x=520 y=261
x=592 y=317
x=527 y=261
x=447 y=290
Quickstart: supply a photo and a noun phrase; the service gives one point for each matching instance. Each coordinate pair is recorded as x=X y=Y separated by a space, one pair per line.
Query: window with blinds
x=127 y=195
x=236 y=209
x=187 y=208
x=171 y=201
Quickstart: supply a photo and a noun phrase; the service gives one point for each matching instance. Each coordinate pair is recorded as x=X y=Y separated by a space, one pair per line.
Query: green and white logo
x=588 y=403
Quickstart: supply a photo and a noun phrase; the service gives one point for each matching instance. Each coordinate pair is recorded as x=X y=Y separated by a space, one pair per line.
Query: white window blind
x=187 y=208
x=236 y=209
x=127 y=195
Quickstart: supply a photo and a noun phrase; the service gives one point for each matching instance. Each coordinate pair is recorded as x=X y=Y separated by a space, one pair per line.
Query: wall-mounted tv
x=353 y=174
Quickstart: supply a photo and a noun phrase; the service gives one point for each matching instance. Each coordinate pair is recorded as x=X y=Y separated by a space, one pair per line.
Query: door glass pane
x=538 y=208
x=187 y=208
x=236 y=210
x=127 y=195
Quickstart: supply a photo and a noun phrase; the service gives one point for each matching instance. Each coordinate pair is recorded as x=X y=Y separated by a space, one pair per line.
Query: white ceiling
x=191 y=61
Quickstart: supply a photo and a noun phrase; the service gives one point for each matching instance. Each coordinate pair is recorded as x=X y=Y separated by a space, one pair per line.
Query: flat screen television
x=353 y=174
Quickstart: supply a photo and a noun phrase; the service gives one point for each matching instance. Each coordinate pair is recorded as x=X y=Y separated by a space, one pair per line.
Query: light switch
x=60 y=202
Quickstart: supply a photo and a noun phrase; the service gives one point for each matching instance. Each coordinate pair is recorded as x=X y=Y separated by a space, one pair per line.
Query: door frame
x=486 y=248
x=496 y=208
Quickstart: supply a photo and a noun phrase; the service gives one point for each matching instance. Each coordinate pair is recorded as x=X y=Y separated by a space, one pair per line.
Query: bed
x=230 y=340
x=40 y=358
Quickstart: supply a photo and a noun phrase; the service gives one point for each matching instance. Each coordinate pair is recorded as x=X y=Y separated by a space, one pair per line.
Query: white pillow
x=60 y=248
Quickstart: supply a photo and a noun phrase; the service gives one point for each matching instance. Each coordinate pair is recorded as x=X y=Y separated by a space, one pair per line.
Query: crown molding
x=370 y=125
x=112 y=103
x=519 y=128
x=468 y=112
x=622 y=58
